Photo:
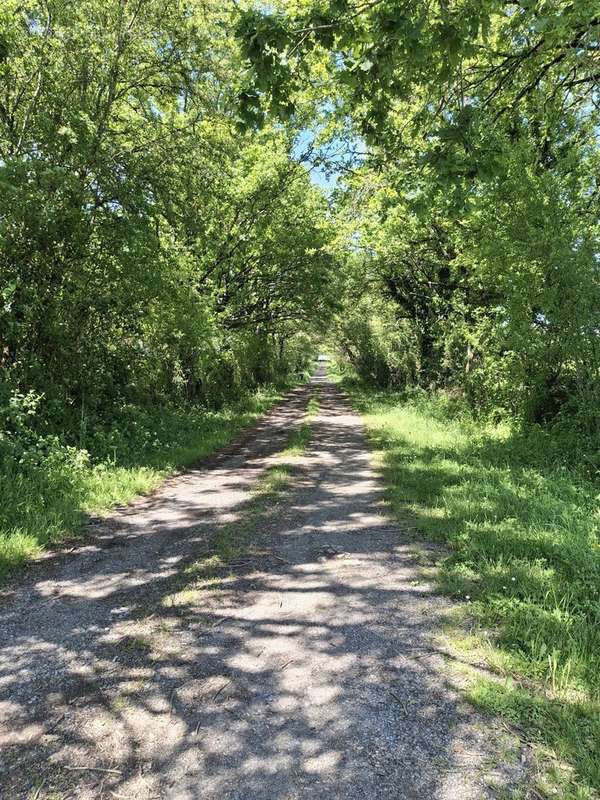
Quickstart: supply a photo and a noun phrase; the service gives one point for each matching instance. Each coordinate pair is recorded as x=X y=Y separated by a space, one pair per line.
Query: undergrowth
x=47 y=487
x=522 y=527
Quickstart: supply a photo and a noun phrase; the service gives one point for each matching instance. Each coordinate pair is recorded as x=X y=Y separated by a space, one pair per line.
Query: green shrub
x=47 y=486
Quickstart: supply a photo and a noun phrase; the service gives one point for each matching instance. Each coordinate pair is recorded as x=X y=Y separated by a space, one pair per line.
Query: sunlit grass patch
x=299 y=438
x=522 y=530
x=135 y=644
x=565 y=731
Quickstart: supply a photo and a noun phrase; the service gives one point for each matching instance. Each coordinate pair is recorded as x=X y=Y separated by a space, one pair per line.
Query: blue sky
x=335 y=153
x=326 y=179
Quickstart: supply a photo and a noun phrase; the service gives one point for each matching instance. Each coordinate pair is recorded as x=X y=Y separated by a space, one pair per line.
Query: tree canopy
x=160 y=234
x=474 y=215
x=145 y=239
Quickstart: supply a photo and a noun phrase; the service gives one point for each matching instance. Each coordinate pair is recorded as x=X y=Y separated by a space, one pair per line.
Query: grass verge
x=299 y=439
x=522 y=530
x=46 y=492
x=232 y=540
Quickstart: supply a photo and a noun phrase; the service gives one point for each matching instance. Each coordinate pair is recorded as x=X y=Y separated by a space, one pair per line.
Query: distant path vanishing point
x=308 y=667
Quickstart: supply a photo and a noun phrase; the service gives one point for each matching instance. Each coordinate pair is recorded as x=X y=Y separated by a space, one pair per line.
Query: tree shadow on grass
x=523 y=547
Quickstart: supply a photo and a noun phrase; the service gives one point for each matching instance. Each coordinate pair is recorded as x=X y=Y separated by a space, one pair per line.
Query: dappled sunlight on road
x=308 y=667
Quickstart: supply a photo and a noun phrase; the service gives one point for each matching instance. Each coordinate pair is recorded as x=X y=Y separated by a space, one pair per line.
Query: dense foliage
x=470 y=234
x=147 y=248
x=152 y=253
x=165 y=253
x=473 y=221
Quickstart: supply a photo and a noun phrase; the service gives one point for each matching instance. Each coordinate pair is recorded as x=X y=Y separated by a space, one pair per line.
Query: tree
x=144 y=238
x=482 y=226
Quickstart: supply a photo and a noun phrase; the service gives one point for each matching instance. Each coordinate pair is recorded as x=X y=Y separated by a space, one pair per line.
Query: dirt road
x=306 y=667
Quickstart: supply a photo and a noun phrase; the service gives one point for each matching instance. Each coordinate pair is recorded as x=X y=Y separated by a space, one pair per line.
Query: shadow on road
x=305 y=668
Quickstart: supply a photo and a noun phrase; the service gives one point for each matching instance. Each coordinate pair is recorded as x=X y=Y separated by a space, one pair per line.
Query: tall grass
x=522 y=531
x=47 y=488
